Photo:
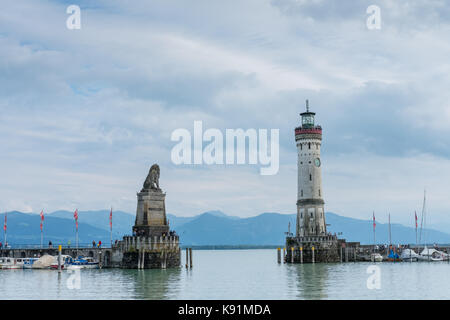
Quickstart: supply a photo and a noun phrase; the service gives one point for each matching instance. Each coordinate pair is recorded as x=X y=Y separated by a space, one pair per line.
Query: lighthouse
x=312 y=242
x=310 y=204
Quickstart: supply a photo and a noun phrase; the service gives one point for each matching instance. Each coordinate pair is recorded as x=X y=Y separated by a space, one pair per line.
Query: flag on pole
x=110 y=219
x=4 y=225
x=415 y=214
x=75 y=215
x=42 y=218
x=374 y=224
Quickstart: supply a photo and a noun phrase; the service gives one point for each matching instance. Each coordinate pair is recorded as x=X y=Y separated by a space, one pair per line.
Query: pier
x=131 y=252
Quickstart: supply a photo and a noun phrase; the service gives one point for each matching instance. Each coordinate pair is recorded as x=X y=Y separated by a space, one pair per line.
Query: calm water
x=236 y=274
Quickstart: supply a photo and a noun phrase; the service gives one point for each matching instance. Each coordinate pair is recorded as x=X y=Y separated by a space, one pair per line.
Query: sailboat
x=428 y=254
x=392 y=255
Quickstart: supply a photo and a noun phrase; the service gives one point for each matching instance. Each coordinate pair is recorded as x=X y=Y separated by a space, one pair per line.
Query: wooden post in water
x=301 y=254
x=187 y=257
x=190 y=257
x=292 y=254
x=279 y=255
x=346 y=254
x=354 y=254
x=284 y=255
x=341 y=254
x=312 y=248
x=59 y=258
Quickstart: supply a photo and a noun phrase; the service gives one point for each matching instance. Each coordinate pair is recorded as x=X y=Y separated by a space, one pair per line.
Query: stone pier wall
x=326 y=249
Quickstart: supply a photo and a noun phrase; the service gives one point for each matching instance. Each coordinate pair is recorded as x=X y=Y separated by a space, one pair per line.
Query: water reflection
x=310 y=280
x=155 y=284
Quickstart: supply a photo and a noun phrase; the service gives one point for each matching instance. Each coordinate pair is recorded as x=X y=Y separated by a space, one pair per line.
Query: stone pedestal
x=313 y=249
x=151 y=214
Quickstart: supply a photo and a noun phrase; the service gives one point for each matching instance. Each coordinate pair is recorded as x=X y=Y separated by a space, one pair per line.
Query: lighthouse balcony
x=308 y=130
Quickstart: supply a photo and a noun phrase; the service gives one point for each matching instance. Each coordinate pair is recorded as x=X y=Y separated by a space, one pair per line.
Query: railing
x=55 y=246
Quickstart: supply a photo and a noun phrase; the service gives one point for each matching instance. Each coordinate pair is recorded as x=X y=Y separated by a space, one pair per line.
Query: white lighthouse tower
x=310 y=204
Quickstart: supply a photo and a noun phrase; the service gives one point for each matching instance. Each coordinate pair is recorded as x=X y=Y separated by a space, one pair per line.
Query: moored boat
x=376 y=257
x=430 y=254
x=28 y=262
x=409 y=255
x=83 y=263
x=66 y=260
x=10 y=263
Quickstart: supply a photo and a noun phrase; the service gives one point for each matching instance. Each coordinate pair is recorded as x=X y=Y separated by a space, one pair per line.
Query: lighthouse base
x=314 y=249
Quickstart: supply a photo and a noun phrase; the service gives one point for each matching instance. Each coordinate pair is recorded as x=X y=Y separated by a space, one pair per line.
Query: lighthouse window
x=310 y=177
x=301 y=146
x=319 y=192
x=309 y=145
x=302 y=193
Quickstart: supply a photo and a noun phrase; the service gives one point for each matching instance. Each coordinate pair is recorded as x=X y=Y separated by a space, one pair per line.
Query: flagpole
x=5 y=227
x=374 y=239
x=415 y=223
x=110 y=225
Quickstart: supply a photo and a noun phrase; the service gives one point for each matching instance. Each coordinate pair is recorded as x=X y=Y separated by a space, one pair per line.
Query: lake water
x=235 y=274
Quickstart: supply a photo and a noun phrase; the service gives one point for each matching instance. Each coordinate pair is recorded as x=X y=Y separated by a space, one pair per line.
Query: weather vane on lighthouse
x=307 y=105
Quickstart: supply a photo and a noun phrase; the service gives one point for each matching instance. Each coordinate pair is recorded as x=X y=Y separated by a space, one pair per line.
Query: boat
x=83 y=263
x=430 y=254
x=11 y=263
x=66 y=260
x=28 y=262
x=393 y=256
x=43 y=262
x=409 y=255
x=376 y=257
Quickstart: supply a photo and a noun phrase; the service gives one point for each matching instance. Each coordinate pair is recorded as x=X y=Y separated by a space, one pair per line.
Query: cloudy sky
x=85 y=113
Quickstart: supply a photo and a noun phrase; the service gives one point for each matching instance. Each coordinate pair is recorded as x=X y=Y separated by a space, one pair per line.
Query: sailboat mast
x=390 y=239
x=422 y=219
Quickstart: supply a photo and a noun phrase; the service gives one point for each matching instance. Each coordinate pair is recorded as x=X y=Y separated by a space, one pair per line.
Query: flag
x=415 y=214
x=4 y=225
x=42 y=218
x=374 y=224
x=110 y=219
x=75 y=215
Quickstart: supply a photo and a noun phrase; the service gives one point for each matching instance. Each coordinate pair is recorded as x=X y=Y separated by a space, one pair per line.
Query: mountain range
x=213 y=228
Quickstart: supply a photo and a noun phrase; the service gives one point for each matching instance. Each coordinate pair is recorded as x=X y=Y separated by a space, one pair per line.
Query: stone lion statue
x=152 y=180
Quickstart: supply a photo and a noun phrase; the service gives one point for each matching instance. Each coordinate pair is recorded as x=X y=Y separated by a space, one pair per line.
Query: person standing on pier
x=93 y=243
x=99 y=243
x=50 y=245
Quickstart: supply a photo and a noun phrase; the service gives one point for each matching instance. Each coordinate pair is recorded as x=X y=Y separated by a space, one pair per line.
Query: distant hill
x=212 y=228
x=23 y=228
x=122 y=221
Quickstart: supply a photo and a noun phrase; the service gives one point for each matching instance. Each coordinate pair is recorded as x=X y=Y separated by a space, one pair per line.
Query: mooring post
x=346 y=254
x=59 y=258
x=292 y=254
x=190 y=257
x=312 y=248
x=301 y=254
x=139 y=258
x=187 y=257
x=341 y=254
x=279 y=255
x=354 y=254
x=284 y=255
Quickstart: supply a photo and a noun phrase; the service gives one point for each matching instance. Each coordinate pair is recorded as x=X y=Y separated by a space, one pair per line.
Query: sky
x=84 y=113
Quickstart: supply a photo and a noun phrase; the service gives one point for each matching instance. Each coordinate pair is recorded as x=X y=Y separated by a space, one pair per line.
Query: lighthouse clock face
x=317 y=162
